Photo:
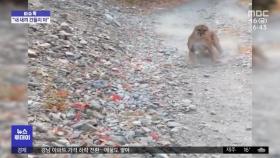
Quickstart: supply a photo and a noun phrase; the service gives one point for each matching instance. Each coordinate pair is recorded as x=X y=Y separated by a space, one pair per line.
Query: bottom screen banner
x=152 y=150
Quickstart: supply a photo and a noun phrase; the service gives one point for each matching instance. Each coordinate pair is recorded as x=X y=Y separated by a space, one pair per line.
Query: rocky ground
x=106 y=74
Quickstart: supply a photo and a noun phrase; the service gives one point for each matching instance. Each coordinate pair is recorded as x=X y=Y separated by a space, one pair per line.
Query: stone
x=63 y=61
x=130 y=135
x=118 y=139
x=112 y=20
x=173 y=124
x=95 y=105
x=40 y=127
x=168 y=51
x=55 y=116
x=63 y=141
x=64 y=35
x=32 y=53
x=186 y=102
x=161 y=156
x=175 y=130
x=73 y=56
x=108 y=47
x=83 y=42
x=192 y=107
x=99 y=84
x=97 y=115
x=45 y=45
x=206 y=75
x=146 y=129
x=248 y=129
x=109 y=17
x=85 y=125
x=65 y=26
x=71 y=114
x=212 y=113
x=60 y=133
x=137 y=123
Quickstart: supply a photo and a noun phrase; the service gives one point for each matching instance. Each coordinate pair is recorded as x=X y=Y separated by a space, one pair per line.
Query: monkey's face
x=201 y=29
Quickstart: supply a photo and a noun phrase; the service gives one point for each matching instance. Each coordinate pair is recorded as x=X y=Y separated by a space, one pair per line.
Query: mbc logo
x=258 y=13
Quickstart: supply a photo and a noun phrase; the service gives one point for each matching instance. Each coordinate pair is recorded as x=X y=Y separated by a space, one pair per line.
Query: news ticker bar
x=145 y=150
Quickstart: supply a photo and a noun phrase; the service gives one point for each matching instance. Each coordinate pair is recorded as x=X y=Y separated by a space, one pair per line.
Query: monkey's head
x=201 y=29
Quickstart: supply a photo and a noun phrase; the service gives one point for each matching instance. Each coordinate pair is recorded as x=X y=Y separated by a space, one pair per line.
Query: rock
x=33 y=85
x=65 y=26
x=186 y=102
x=206 y=75
x=130 y=135
x=108 y=47
x=193 y=107
x=64 y=15
x=168 y=51
x=248 y=129
x=212 y=113
x=85 y=125
x=121 y=106
x=32 y=53
x=109 y=17
x=30 y=119
x=60 y=133
x=146 y=129
x=55 y=116
x=118 y=139
x=63 y=61
x=75 y=134
x=95 y=105
x=72 y=55
x=99 y=84
x=45 y=45
x=83 y=42
x=63 y=116
x=144 y=141
x=40 y=127
x=175 y=130
x=137 y=123
x=71 y=114
x=44 y=118
x=147 y=121
x=63 y=141
x=173 y=124
x=161 y=156
x=94 y=114
x=52 y=38
x=117 y=23
x=64 y=35
x=190 y=93
x=69 y=54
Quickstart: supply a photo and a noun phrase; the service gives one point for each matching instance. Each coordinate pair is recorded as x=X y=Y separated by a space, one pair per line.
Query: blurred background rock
x=266 y=124
x=13 y=59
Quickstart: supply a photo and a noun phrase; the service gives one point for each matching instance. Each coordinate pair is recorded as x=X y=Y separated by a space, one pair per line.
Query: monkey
x=203 y=41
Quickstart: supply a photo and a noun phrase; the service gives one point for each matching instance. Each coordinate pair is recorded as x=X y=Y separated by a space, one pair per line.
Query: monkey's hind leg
x=192 y=57
x=216 y=43
x=213 y=54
